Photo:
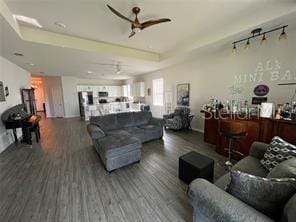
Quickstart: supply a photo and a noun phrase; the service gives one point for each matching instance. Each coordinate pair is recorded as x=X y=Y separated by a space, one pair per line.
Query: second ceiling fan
x=136 y=25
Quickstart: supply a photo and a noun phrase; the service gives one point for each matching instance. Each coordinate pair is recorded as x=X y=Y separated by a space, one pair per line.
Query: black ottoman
x=194 y=165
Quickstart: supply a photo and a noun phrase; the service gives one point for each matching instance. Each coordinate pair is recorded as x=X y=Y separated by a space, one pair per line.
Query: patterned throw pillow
x=268 y=196
x=278 y=151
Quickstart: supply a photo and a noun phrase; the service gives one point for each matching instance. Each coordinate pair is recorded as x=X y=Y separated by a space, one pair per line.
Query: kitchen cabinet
x=113 y=91
x=84 y=88
x=102 y=88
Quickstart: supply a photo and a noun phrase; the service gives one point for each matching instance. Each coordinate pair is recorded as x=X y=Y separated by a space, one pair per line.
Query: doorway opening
x=37 y=84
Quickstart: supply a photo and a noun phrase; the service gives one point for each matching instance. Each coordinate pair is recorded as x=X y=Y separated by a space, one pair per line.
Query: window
x=158 y=92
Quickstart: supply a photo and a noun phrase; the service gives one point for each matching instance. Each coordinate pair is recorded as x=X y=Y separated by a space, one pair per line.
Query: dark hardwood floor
x=62 y=179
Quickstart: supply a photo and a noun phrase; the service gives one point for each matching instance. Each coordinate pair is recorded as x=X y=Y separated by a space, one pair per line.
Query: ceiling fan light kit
x=136 y=25
x=258 y=32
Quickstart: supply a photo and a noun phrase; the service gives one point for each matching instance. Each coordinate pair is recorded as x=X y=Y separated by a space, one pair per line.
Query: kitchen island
x=110 y=107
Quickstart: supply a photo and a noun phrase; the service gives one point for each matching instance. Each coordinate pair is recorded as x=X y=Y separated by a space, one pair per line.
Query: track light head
x=247 y=46
x=263 y=41
x=234 y=49
x=283 y=35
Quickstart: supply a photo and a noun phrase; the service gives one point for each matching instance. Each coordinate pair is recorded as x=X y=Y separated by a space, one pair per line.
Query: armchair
x=178 y=120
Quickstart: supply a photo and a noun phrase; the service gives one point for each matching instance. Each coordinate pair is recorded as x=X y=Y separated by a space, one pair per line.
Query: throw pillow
x=278 y=151
x=286 y=169
x=266 y=195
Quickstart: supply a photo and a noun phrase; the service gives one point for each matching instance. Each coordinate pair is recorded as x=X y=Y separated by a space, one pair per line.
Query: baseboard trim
x=198 y=130
x=72 y=116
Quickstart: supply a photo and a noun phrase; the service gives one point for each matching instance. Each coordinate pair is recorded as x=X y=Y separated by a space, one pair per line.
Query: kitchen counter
x=110 y=107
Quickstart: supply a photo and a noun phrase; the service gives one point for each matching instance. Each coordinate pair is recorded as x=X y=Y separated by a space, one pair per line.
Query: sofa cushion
x=278 y=151
x=251 y=165
x=152 y=131
x=286 y=169
x=223 y=181
x=125 y=120
x=289 y=212
x=137 y=132
x=106 y=123
x=141 y=118
x=118 y=142
x=268 y=196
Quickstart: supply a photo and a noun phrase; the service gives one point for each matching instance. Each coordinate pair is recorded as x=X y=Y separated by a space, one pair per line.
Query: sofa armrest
x=94 y=131
x=258 y=150
x=168 y=116
x=215 y=204
x=156 y=121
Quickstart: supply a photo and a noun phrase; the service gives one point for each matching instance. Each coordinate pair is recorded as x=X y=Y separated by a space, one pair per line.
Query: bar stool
x=234 y=131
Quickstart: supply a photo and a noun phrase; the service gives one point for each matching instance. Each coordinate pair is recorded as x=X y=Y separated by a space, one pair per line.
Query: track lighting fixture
x=258 y=32
x=283 y=35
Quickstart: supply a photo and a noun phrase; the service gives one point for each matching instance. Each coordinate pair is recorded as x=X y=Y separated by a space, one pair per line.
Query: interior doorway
x=37 y=84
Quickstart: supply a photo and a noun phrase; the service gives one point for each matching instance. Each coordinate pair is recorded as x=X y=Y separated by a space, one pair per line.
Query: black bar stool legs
x=233 y=131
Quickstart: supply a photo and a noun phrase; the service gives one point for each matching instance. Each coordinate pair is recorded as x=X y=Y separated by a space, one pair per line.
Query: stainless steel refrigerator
x=85 y=98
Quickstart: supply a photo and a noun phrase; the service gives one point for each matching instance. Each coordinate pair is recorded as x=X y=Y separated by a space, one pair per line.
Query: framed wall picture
x=2 y=93
x=183 y=94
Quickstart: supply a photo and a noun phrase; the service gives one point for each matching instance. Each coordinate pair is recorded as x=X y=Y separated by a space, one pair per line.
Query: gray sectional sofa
x=212 y=203
x=118 y=137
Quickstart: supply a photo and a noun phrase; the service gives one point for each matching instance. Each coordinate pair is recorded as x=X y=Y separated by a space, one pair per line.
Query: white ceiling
x=195 y=23
x=190 y=18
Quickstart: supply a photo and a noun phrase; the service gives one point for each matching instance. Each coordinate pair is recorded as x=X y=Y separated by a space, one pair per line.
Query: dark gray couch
x=212 y=203
x=118 y=137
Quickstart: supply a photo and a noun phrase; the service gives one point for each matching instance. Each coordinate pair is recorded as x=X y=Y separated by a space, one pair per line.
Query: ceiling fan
x=136 y=25
x=117 y=65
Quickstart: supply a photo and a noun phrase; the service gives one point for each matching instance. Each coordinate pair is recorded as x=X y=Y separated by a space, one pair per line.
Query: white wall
x=211 y=75
x=15 y=78
x=69 y=85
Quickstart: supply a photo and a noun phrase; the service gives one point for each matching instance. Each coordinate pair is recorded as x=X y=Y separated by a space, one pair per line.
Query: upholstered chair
x=177 y=120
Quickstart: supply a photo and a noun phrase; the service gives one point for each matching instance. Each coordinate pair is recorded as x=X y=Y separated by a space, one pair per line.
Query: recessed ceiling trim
x=7 y=15
x=60 y=40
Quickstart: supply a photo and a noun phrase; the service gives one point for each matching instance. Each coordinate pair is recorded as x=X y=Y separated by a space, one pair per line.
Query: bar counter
x=258 y=129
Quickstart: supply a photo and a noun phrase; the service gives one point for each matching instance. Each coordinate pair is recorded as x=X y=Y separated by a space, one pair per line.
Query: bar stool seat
x=234 y=131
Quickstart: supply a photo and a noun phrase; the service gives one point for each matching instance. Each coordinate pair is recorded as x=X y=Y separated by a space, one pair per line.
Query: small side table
x=195 y=165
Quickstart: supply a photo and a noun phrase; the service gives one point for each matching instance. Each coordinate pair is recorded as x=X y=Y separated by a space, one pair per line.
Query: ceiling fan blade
x=119 y=14
x=153 y=22
x=107 y=64
x=132 y=34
